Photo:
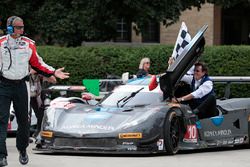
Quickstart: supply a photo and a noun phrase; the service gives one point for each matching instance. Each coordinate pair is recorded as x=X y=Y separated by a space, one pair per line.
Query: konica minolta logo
x=213 y=133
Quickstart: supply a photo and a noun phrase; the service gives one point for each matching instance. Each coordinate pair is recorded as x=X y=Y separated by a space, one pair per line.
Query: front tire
x=172 y=132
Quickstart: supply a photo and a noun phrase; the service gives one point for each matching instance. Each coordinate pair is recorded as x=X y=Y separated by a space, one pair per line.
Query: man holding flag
x=202 y=98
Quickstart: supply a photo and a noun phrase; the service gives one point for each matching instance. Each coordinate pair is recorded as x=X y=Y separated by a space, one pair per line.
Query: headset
x=10 y=28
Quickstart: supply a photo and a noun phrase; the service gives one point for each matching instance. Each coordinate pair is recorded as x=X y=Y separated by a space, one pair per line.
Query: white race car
x=12 y=124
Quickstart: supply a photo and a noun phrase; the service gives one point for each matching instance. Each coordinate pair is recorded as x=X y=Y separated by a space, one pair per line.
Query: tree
x=69 y=22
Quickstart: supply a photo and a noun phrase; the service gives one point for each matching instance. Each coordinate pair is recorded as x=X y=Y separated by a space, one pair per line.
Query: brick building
x=225 y=26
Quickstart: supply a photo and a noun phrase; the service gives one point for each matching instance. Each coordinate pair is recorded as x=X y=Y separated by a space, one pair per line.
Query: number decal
x=191 y=135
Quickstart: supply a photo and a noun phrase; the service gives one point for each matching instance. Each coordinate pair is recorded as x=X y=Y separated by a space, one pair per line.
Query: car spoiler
x=182 y=64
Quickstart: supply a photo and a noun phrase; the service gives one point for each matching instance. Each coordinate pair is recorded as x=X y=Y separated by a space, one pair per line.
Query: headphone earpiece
x=10 y=28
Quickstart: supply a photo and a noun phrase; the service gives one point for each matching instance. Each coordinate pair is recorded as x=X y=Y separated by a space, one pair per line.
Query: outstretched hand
x=60 y=74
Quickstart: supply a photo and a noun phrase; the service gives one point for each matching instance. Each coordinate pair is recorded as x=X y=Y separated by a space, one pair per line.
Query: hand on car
x=170 y=60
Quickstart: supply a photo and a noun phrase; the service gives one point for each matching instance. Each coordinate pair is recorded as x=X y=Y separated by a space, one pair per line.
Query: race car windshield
x=124 y=98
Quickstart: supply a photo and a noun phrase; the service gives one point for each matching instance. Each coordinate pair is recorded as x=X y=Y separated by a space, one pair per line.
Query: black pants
x=16 y=93
x=206 y=109
x=38 y=110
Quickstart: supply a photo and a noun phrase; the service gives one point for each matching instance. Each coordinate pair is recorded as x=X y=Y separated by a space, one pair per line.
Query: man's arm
x=44 y=69
x=36 y=64
x=202 y=91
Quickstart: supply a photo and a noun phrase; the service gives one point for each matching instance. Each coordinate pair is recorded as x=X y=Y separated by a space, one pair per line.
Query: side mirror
x=153 y=83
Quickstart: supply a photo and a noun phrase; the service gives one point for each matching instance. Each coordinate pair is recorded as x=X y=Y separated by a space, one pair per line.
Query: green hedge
x=99 y=61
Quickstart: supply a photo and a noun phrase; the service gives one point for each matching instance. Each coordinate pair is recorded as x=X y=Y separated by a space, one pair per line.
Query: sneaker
x=23 y=157
x=3 y=162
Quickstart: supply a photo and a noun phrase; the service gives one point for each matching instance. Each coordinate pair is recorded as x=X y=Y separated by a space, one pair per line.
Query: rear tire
x=172 y=132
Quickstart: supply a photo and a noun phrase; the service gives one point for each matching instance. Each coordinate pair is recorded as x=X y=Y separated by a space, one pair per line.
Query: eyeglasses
x=19 y=27
x=197 y=70
x=147 y=63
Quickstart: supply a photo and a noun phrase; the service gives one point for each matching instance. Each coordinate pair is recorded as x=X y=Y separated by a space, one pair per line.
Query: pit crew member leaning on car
x=16 y=54
x=202 y=98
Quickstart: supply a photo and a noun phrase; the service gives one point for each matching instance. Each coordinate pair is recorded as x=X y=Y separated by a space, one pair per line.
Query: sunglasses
x=19 y=27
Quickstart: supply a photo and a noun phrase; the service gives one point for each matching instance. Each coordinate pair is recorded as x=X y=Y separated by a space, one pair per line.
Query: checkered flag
x=183 y=40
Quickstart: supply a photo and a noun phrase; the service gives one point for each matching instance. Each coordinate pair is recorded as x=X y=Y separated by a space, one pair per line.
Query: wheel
x=172 y=132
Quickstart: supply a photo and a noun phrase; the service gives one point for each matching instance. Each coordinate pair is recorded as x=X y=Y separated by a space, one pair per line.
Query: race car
x=138 y=119
x=12 y=124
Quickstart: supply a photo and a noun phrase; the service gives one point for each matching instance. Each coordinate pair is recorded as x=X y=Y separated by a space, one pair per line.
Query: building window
x=123 y=31
x=151 y=32
x=236 y=25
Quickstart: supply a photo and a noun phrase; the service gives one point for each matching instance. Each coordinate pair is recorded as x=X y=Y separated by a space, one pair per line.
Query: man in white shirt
x=202 y=98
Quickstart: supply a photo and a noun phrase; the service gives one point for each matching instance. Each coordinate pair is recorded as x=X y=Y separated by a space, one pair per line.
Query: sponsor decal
x=241 y=140
x=130 y=135
x=101 y=127
x=224 y=142
x=21 y=43
x=60 y=104
x=127 y=143
x=160 y=144
x=238 y=140
x=48 y=134
x=219 y=142
x=191 y=135
x=213 y=133
x=231 y=141
x=133 y=148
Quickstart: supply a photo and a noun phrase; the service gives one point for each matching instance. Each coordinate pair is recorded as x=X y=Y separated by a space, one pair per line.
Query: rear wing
x=228 y=80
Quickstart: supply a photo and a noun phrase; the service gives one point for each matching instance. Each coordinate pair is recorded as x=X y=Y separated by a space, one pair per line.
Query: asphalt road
x=229 y=157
